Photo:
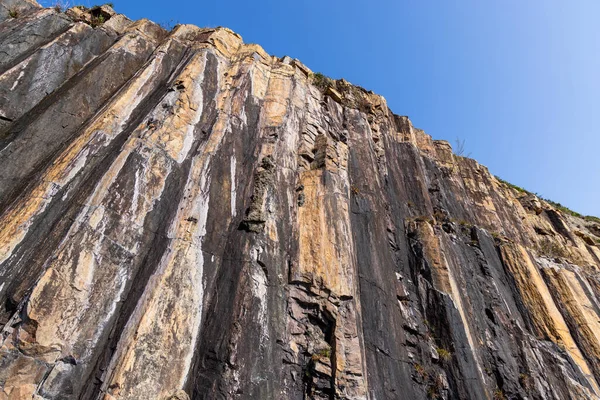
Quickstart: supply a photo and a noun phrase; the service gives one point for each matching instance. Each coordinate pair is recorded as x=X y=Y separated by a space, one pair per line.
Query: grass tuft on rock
x=445 y=355
x=554 y=204
x=320 y=81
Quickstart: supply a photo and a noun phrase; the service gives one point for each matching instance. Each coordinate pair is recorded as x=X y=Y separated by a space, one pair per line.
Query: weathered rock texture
x=183 y=215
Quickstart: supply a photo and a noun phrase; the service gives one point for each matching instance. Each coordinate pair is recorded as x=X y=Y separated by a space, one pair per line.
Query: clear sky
x=518 y=81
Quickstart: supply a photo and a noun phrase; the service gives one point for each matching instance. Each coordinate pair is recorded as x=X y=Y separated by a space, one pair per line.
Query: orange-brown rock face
x=185 y=216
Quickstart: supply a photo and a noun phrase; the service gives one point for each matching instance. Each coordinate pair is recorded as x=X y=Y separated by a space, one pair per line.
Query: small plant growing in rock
x=435 y=388
x=445 y=355
x=515 y=187
x=321 y=354
x=98 y=20
x=460 y=148
x=320 y=81
x=562 y=208
x=61 y=5
x=13 y=13
x=591 y=218
x=499 y=394
x=420 y=370
x=168 y=25
x=98 y=16
x=464 y=223
x=433 y=393
x=525 y=381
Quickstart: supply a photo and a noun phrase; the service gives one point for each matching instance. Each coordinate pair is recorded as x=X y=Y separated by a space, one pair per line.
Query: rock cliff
x=185 y=216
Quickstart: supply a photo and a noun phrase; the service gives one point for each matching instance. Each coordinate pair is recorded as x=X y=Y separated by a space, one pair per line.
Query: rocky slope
x=183 y=215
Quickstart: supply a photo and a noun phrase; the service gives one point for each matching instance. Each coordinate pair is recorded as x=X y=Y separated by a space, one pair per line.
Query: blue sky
x=518 y=81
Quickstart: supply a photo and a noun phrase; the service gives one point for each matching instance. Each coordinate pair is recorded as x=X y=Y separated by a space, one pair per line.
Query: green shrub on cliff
x=554 y=204
x=320 y=80
x=445 y=355
x=517 y=188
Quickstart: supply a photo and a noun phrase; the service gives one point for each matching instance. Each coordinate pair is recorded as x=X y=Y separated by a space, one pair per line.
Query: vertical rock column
x=324 y=322
x=544 y=316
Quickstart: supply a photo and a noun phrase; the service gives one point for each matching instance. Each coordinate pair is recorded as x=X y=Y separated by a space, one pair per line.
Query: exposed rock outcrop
x=185 y=216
